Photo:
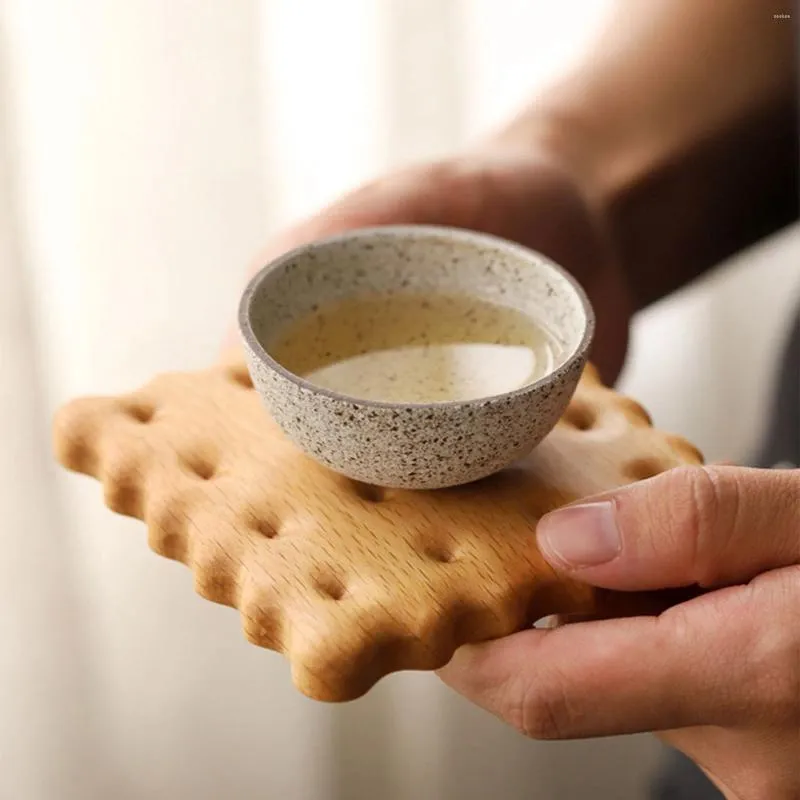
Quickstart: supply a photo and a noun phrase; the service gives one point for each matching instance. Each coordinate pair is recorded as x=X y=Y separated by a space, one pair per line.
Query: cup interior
x=418 y=260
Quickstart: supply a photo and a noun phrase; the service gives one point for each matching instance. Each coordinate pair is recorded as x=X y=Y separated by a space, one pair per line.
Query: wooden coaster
x=349 y=581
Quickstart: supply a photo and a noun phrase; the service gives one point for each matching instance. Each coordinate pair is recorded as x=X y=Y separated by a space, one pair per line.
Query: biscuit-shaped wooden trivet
x=349 y=581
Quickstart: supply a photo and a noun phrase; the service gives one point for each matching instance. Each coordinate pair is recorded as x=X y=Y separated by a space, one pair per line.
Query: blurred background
x=147 y=150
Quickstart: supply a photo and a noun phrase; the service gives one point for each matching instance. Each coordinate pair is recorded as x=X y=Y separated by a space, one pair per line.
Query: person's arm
x=717 y=676
x=671 y=147
x=682 y=123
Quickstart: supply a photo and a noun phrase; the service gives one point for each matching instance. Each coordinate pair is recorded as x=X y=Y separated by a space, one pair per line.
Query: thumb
x=706 y=526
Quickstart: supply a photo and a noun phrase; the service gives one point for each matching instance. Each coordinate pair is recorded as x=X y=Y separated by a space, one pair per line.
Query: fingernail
x=580 y=536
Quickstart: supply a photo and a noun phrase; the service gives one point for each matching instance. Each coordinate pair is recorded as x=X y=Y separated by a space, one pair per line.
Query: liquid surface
x=416 y=348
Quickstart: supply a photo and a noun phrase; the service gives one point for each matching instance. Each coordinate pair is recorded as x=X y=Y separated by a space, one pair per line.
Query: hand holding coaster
x=354 y=578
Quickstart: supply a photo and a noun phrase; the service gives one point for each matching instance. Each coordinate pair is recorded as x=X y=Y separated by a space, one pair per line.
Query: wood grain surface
x=350 y=581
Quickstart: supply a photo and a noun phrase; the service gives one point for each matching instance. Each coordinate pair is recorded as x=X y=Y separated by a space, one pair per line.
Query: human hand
x=522 y=194
x=718 y=676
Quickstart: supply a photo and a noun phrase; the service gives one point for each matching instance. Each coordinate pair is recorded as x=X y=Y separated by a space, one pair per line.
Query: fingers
x=711 y=661
x=437 y=193
x=709 y=526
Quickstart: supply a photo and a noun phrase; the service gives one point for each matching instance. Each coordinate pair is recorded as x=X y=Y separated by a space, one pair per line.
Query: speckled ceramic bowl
x=417 y=446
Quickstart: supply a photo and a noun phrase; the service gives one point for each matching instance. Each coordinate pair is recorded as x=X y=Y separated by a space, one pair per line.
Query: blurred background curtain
x=147 y=149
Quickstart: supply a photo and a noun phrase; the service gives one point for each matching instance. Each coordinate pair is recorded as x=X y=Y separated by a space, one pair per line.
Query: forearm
x=682 y=125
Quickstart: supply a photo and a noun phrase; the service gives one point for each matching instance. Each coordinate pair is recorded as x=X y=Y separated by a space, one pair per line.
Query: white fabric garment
x=147 y=150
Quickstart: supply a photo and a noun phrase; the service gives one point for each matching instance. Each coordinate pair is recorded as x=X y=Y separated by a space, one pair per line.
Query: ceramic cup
x=415 y=445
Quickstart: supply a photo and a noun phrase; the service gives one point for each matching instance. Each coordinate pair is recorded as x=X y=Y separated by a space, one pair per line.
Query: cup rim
x=399 y=231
